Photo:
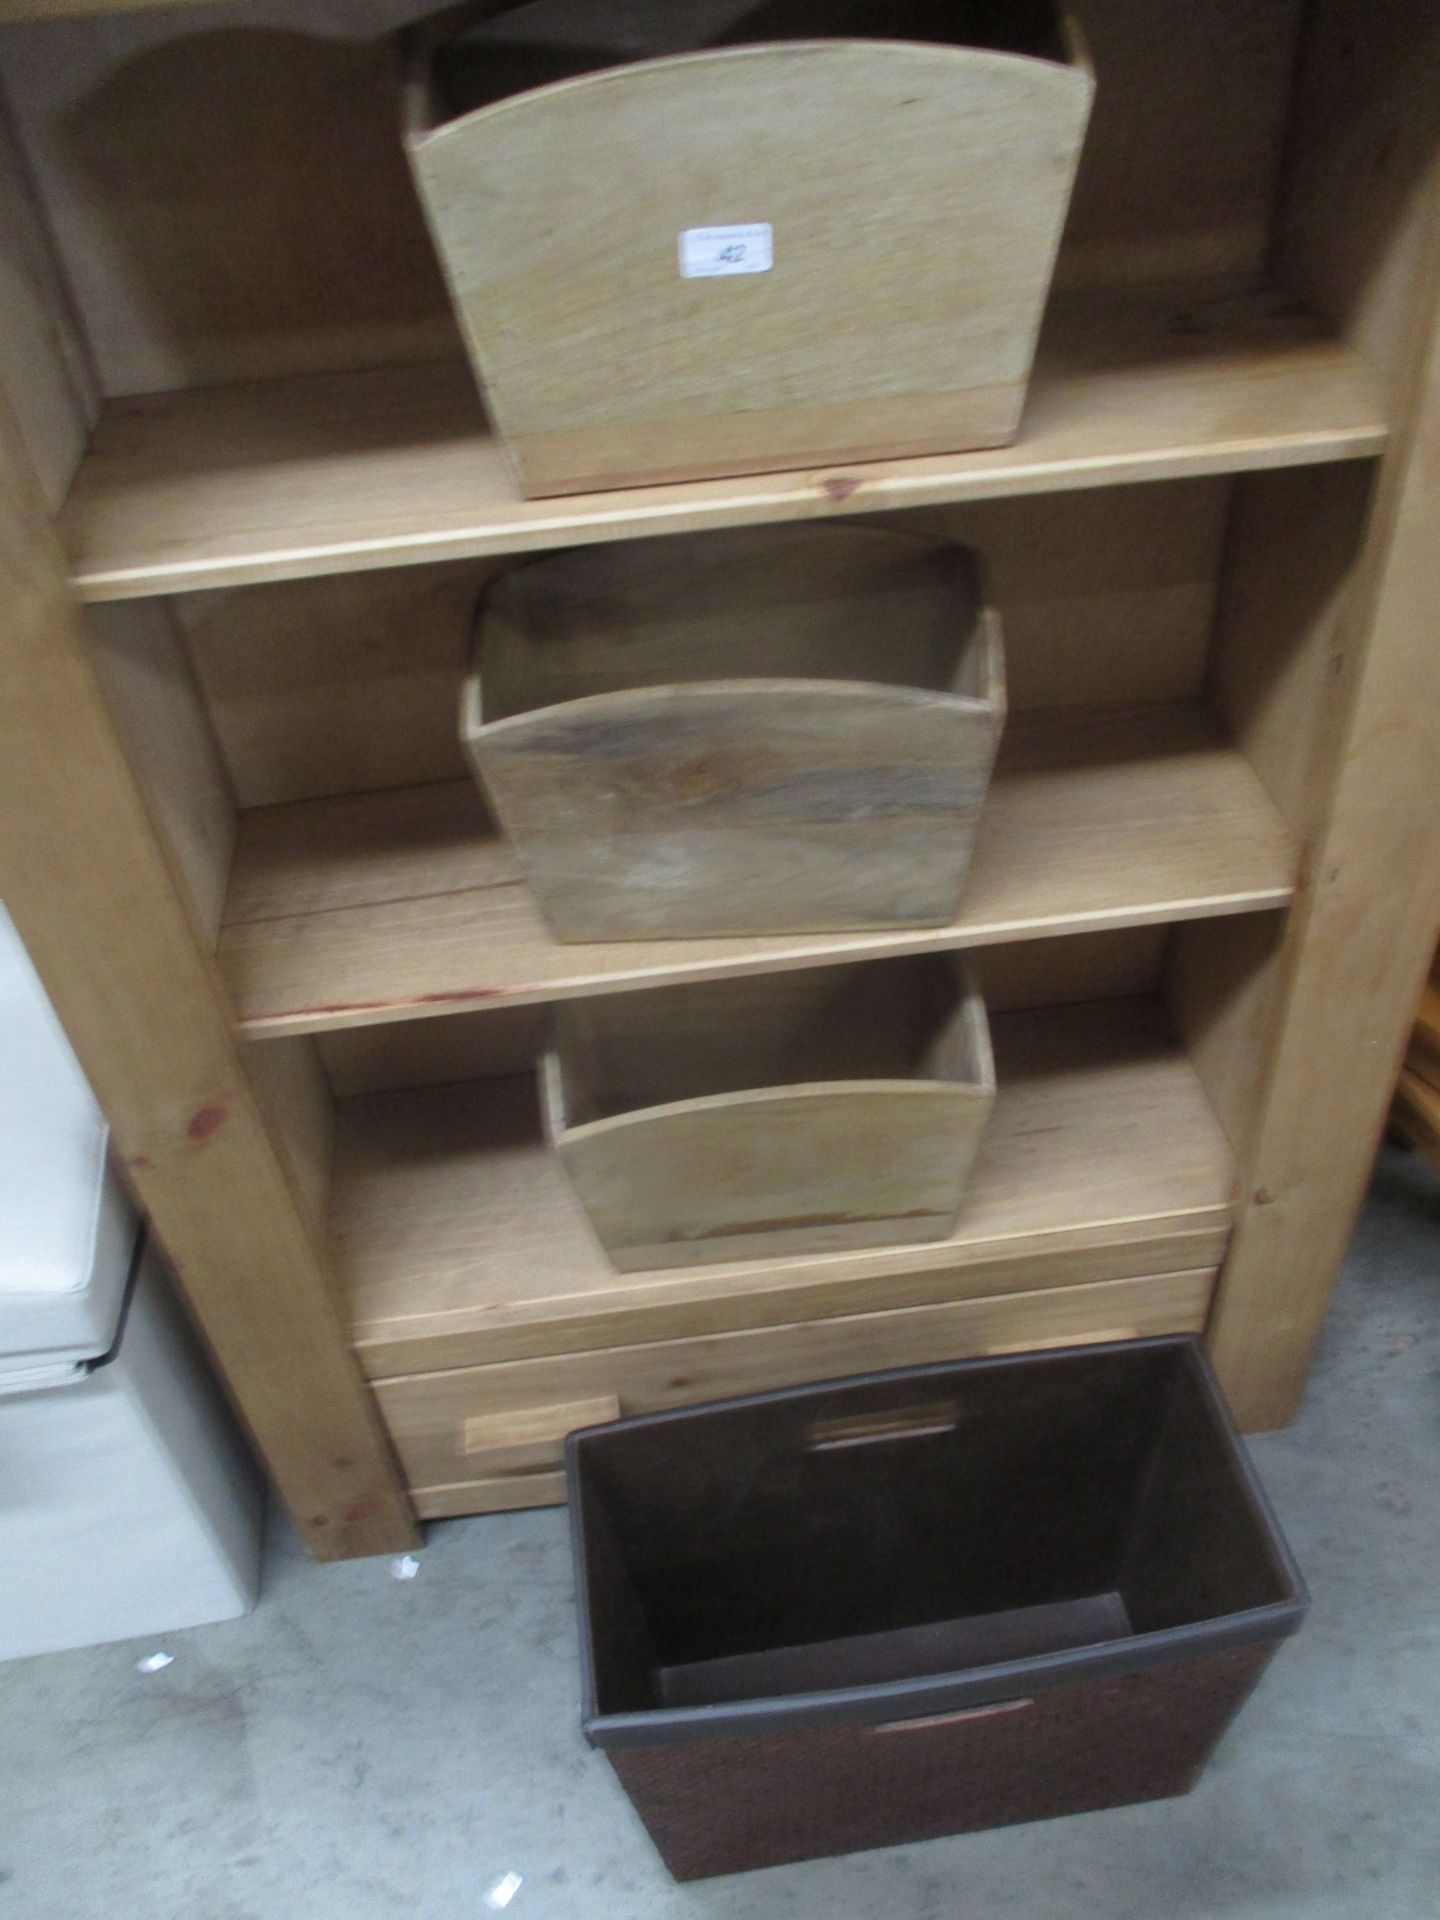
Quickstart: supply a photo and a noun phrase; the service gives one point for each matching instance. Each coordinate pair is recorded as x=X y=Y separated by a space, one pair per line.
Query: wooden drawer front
x=475 y=1438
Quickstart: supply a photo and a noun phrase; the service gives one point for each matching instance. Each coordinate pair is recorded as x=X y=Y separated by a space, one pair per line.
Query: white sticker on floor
x=404 y=1567
x=504 y=1891
x=155 y=1662
x=707 y=252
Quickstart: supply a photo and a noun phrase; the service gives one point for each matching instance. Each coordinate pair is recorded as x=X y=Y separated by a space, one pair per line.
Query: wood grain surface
x=531 y=1437
x=145 y=674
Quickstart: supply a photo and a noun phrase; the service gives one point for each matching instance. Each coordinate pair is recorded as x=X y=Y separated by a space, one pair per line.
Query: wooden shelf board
x=341 y=472
x=458 y=1241
x=407 y=903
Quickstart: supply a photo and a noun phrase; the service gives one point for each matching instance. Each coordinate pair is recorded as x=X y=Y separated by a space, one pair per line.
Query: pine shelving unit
x=249 y=497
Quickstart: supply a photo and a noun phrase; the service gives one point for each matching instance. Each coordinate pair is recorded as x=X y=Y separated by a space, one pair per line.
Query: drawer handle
x=953 y=1719
x=528 y=1429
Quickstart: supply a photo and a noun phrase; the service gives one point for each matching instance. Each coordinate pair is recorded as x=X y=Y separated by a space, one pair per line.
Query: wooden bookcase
x=248 y=499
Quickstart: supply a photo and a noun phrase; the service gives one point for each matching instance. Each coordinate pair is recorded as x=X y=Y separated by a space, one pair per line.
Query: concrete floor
x=364 y=1747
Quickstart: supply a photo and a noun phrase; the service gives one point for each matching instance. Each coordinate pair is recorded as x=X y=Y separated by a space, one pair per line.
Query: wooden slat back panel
x=352 y=683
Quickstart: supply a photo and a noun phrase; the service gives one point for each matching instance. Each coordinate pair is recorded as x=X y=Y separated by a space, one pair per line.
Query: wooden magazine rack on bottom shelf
x=246 y=513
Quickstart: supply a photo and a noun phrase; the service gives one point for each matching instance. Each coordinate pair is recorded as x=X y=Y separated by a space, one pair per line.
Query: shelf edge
x=817 y=497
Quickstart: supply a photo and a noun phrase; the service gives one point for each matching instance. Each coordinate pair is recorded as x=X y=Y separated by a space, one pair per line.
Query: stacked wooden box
x=726 y=260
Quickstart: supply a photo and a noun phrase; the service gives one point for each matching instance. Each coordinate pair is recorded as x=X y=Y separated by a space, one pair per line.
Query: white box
x=128 y=1502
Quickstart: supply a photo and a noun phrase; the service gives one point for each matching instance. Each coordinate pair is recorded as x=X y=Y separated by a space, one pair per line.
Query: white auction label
x=706 y=252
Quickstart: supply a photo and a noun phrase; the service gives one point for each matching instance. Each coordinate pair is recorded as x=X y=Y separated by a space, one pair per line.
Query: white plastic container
x=128 y=1503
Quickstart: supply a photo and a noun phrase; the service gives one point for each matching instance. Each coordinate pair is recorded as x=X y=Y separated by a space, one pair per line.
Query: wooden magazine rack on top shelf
x=249 y=502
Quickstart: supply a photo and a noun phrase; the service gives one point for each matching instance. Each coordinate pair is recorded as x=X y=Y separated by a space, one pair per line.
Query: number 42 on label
x=706 y=252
